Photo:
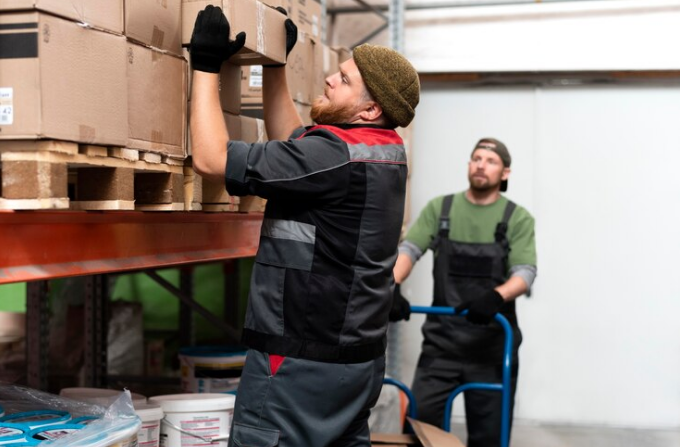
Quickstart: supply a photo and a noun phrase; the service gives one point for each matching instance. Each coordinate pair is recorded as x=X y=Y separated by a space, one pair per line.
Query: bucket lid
x=183 y=403
x=149 y=412
x=37 y=418
x=11 y=432
x=98 y=396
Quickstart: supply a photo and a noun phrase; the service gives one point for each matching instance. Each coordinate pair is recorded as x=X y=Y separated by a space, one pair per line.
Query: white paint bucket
x=193 y=420
x=150 y=432
x=97 y=396
x=211 y=369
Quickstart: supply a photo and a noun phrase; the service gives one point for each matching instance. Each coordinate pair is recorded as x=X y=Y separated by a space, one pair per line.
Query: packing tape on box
x=260 y=27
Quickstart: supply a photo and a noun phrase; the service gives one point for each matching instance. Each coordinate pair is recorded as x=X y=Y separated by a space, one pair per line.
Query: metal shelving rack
x=41 y=245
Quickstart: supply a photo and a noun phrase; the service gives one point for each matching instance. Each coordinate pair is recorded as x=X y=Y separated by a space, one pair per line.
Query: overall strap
x=444 y=222
x=502 y=227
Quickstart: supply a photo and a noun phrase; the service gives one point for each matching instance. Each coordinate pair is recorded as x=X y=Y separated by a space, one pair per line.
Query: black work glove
x=210 y=44
x=291 y=35
x=401 y=308
x=482 y=309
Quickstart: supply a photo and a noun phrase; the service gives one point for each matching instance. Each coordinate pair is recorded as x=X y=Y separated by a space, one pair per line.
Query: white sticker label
x=6 y=106
x=256 y=76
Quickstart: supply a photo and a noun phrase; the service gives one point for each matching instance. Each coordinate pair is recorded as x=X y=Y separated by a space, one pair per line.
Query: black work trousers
x=434 y=380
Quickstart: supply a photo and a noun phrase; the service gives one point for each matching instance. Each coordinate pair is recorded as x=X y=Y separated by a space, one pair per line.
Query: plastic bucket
x=97 y=396
x=150 y=432
x=211 y=369
x=193 y=420
x=37 y=418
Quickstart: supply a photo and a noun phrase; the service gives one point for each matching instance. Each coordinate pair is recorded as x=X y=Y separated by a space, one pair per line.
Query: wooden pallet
x=49 y=174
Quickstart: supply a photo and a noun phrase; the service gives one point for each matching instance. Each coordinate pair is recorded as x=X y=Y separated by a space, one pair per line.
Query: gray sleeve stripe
x=394 y=153
x=411 y=250
x=289 y=229
x=526 y=272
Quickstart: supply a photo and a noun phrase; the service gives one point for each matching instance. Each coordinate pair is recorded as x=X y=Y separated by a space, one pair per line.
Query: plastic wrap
x=115 y=422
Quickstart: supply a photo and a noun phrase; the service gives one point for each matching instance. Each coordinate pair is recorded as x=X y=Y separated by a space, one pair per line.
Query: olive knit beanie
x=391 y=80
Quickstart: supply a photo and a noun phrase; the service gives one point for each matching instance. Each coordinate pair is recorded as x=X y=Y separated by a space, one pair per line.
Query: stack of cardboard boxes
x=94 y=98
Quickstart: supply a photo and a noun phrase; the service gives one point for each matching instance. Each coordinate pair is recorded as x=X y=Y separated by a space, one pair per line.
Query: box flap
x=431 y=436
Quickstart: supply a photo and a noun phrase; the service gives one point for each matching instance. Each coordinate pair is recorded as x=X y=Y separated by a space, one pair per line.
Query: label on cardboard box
x=255 y=78
x=6 y=105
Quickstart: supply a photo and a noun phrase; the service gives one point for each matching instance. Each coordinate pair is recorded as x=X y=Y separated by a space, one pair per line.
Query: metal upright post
x=37 y=331
x=187 y=335
x=231 y=293
x=396 y=12
x=96 y=330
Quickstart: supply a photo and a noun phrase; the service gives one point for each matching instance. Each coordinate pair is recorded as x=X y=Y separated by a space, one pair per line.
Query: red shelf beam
x=38 y=245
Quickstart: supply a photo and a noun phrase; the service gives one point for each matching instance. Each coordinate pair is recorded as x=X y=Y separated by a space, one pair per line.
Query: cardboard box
x=104 y=14
x=251 y=82
x=318 y=75
x=263 y=25
x=155 y=23
x=252 y=130
x=426 y=435
x=230 y=85
x=331 y=61
x=157 y=99
x=61 y=80
x=344 y=54
x=307 y=16
x=300 y=69
x=304 y=111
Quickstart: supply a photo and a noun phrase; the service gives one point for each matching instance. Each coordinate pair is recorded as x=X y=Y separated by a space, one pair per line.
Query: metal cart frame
x=503 y=387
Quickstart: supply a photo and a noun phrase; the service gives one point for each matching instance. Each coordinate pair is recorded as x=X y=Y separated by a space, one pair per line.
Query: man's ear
x=506 y=174
x=371 y=112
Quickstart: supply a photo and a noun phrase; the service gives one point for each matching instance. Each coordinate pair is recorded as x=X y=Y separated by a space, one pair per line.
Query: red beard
x=330 y=113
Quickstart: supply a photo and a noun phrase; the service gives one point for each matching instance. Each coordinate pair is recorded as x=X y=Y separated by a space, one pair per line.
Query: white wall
x=544 y=36
x=599 y=168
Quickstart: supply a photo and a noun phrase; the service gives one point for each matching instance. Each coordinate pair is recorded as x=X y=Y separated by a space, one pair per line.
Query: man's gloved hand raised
x=210 y=44
x=401 y=308
x=291 y=35
x=482 y=309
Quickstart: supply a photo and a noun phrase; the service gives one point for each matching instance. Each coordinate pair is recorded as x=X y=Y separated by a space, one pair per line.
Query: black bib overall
x=455 y=351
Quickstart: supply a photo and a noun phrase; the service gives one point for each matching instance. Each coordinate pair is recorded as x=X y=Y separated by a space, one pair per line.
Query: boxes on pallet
x=62 y=81
x=106 y=15
x=155 y=23
x=263 y=25
x=157 y=101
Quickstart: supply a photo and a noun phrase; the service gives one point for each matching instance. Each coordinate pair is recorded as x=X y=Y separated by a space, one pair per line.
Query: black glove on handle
x=482 y=309
x=210 y=44
x=291 y=35
x=401 y=308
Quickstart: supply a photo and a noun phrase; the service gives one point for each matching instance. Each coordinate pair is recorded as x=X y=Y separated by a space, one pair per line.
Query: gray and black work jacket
x=321 y=285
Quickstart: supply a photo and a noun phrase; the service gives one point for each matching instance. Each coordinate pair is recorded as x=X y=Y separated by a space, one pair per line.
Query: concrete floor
x=530 y=435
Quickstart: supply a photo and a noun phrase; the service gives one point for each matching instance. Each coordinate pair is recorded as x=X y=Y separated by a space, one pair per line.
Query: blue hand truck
x=503 y=387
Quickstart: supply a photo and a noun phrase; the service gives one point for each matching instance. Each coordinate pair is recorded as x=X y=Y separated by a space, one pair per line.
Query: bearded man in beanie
x=484 y=258
x=321 y=287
